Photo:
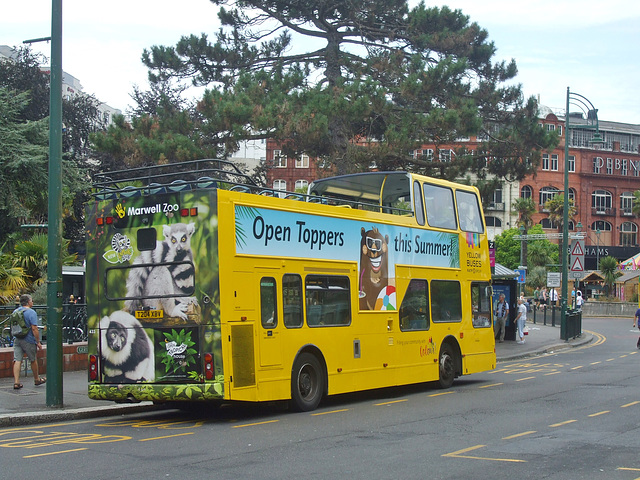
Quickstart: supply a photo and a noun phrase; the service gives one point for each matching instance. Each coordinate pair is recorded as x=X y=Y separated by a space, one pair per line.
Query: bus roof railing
x=223 y=174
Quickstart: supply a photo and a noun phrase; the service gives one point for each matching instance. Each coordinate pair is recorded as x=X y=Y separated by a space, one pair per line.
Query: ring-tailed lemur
x=167 y=280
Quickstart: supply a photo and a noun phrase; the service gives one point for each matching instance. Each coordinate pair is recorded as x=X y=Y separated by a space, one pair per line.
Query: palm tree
x=525 y=208
x=32 y=256
x=609 y=268
x=11 y=279
x=555 y=206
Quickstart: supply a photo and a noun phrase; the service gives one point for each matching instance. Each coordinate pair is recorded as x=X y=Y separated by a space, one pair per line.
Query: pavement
x=27 y=406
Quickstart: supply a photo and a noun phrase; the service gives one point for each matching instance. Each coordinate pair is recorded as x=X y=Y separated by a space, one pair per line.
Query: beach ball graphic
x=386 y=299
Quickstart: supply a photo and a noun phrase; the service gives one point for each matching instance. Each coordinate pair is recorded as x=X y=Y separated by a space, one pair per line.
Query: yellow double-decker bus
x=202 y=286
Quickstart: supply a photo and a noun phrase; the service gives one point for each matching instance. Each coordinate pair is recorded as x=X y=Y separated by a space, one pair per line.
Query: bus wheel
x=447 y=366
x=307 y=383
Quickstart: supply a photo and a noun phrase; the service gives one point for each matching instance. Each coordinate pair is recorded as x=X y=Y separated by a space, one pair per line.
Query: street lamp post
x=522 y=240
x=598 y=249
x=592 y=122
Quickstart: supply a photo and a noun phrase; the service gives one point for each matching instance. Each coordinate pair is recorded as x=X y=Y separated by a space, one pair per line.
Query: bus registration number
x=149 y=313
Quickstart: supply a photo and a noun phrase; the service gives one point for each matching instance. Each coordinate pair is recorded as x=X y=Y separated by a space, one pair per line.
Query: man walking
x=521 y=320
x=28 y=345
x=501 y=315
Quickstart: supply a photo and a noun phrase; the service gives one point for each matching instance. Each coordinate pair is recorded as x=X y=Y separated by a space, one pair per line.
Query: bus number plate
x=149 y=313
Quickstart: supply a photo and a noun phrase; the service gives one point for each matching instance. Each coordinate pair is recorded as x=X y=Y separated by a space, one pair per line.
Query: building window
x=628 y=234
x=545 y=161
x=546 y=194
x=572 y=163
x=601 y=225
x=597 y=164
x=626 y=203
x=572 y=195
x=551 y=127
x=301 y=185
x=554 y=162
x=526 y=192
x=280 y=185
x=609 y=166
x=303 y=161
x=548 y=224
x=493 y=222
x=279 y=160
x=444 y=155
x=601 y=201
x=560 y=130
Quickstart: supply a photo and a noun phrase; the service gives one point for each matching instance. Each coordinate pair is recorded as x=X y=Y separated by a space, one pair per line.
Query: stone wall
x=74 y=358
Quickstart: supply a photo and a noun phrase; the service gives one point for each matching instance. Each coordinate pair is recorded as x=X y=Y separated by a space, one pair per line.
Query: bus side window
x=327 y=299
x=268 y=306
x=414 y=311
x=418 y=203
x=292 y=300
x=481 y=304
x=440 y=207
x=446 y=301
x=469 y=212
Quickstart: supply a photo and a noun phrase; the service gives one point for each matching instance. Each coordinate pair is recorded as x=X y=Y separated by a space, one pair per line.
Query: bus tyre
x=307 y=383
x=446 y=365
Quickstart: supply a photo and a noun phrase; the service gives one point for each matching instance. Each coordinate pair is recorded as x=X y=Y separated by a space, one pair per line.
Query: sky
x=587 y=45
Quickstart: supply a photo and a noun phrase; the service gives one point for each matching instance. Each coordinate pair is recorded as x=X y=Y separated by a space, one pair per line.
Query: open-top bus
x=203 y=286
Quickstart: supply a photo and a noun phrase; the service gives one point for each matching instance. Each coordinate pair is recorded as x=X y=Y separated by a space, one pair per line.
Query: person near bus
x=28 y=345
x=521 y=320
x=501 y=315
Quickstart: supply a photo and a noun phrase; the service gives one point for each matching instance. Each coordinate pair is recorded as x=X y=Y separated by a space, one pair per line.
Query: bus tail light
x=93 y=367
x=208 y=366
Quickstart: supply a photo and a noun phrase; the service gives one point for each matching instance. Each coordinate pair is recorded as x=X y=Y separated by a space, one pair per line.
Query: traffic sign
x=576 y=259
x=553 y=279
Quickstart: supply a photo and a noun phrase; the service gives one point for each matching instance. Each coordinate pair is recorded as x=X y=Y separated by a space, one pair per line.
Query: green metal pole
x=565 y=227
x=54 y=266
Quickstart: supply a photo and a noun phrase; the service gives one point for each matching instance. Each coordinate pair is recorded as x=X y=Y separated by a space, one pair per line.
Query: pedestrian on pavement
x=521 y=320
x=553 y=297
x=579 y=300
x=28 y=345
x=543 y=297
x=501 y=314
x=536 y=298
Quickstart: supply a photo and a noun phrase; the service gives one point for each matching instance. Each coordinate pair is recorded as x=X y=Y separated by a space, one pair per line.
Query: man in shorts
x=28 y=345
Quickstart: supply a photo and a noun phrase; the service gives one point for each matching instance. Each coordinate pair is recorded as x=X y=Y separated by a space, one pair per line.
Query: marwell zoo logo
x=121 y=249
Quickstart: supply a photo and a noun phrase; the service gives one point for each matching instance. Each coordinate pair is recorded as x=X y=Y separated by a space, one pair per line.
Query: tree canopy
x=357 y=83
x=24 y=103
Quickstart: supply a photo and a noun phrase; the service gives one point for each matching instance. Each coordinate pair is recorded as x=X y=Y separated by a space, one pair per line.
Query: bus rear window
x=327 y=298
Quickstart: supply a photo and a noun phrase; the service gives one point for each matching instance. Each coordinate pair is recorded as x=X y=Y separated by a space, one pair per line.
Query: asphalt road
x=570 y=415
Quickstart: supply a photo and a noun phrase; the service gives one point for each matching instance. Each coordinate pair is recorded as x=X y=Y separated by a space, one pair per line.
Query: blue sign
x=522 y=275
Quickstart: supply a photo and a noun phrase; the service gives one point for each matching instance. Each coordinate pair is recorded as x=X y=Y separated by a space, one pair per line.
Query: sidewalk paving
x=28 y=405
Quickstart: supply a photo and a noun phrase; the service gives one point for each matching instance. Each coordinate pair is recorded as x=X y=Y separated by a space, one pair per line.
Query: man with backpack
x=29 y=345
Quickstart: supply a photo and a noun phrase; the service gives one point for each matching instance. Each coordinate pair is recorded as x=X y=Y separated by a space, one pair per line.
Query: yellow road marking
x=391 y=402
x=622 y=356
x=439 y=394
x=525 y=378
x=255 y=424
x=20 y=429
x=630 y=404
x=517 y=435
x=594 y=363
x=610 y=359
x=166 y=436
x=552 y=373
x=54 y=453
x=492 y=385
x=633 y=353
x=600 y=413
x=576 y=368
x=562 y=423
x=327 y=413
x=458 y=454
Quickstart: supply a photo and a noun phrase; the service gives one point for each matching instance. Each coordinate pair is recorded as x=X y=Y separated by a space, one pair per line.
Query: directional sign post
x=576 y=259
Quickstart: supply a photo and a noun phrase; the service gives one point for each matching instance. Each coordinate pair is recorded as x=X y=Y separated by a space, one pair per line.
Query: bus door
x=481 y=311
x=270 y=333
x=242 y=337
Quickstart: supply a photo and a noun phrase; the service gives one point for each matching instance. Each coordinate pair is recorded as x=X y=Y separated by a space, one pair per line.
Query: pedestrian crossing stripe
x=577 y=265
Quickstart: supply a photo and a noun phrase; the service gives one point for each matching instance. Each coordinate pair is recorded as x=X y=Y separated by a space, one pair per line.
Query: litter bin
x=573 y=325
